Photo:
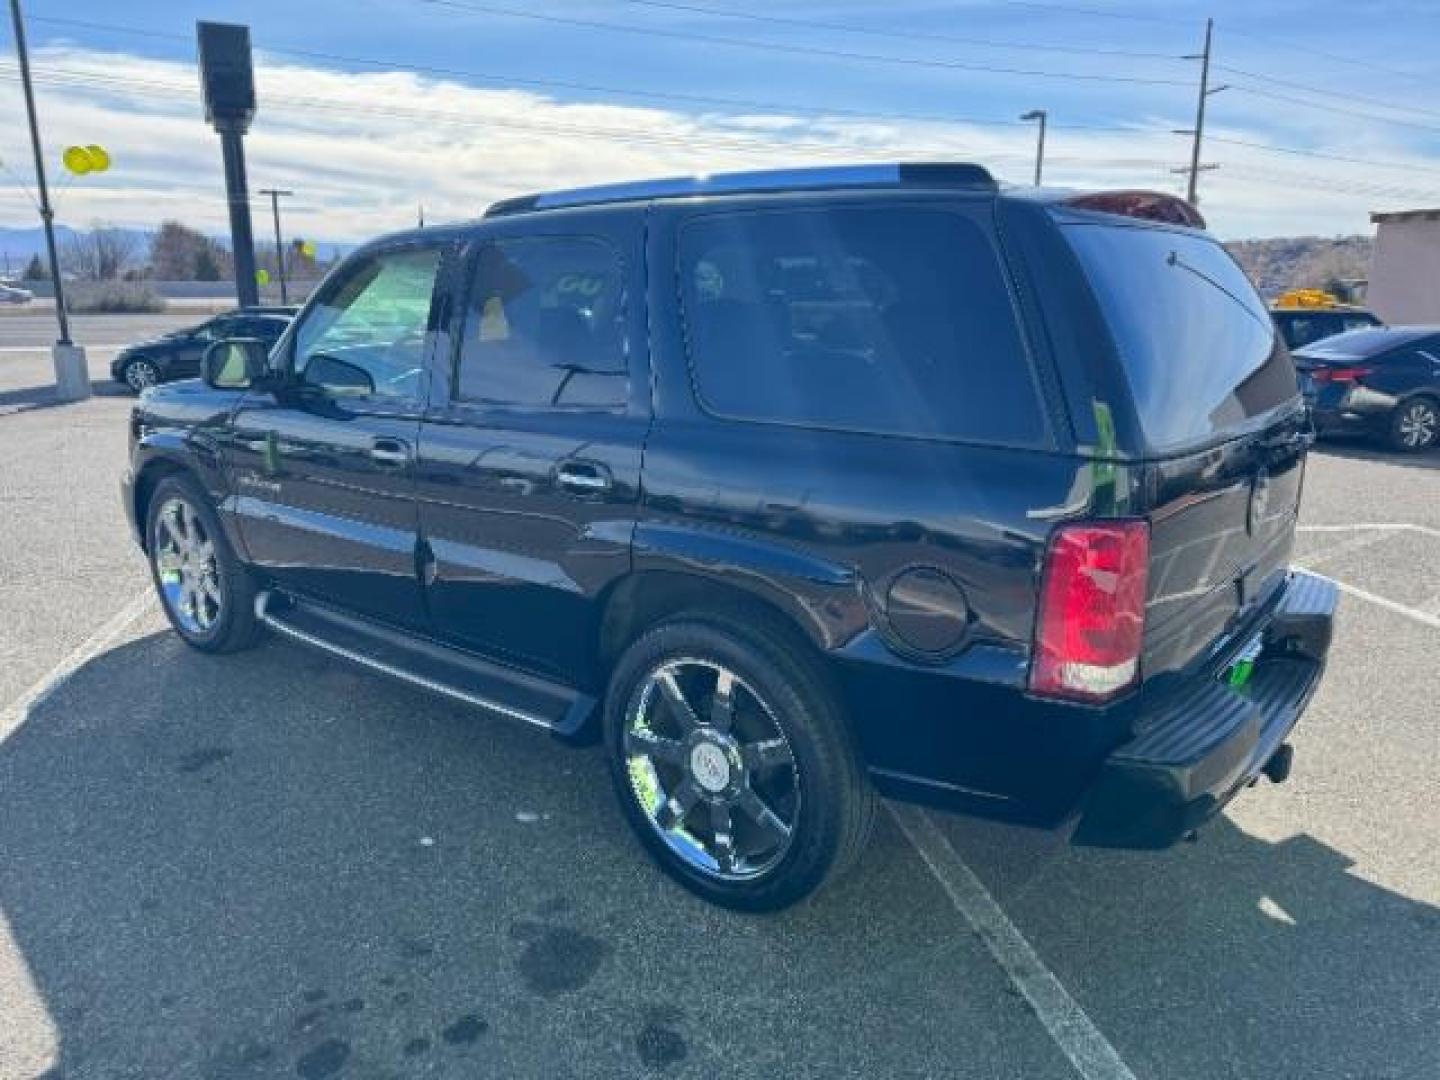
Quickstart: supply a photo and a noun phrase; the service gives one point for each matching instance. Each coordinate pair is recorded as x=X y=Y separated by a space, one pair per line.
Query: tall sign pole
x=72 y=376
x=228 y=80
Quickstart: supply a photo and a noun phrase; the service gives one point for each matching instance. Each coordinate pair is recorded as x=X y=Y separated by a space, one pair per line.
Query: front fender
x=162 y=447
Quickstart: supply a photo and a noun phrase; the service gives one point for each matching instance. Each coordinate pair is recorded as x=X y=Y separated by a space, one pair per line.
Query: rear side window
x=546 y=325
x=886 y=320
x=1197 y=345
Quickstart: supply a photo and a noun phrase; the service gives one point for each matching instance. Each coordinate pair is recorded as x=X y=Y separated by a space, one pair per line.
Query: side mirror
x=235 y=364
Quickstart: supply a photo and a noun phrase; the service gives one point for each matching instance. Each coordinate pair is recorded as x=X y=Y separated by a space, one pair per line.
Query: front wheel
x=1415 y=425
x=207 y=593
x=140 y=374
x=734 y=765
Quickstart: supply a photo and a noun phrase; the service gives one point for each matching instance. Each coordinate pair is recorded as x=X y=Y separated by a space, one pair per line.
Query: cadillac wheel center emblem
x=1259 y=502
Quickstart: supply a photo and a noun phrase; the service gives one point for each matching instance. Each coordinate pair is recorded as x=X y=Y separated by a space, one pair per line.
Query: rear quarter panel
x=821 y=522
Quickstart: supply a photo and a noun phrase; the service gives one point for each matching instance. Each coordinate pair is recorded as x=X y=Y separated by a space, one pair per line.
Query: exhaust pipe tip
x=1277 y=769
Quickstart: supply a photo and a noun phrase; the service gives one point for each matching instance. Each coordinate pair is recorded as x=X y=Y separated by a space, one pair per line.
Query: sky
x=370 y=109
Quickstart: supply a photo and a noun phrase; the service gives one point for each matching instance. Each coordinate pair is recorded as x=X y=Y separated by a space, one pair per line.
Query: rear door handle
x=583 y=477
x=390 y=452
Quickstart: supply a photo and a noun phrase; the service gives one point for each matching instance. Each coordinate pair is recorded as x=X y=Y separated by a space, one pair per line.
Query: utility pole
x=1198 y=132
x=275 y=194
x=1042 y=116
x=72 y=376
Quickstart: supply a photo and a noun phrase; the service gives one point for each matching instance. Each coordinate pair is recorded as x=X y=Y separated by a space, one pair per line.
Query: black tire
x=233 y=625
x=835 y=805
x=139 y=373
x=1415 y=425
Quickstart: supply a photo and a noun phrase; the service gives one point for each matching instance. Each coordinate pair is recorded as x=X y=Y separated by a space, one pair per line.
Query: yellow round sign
x=262 y=276
x=308 y=249
x=77 y=160
x=99 y=158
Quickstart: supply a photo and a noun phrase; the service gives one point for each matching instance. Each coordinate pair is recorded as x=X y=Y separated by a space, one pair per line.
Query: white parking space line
x=1424 y=618
x=16 y=712
x=1073 y=1031
x=1373 y=526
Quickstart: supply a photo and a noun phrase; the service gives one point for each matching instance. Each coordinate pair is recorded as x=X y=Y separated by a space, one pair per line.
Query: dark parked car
x=1303 y=326
x=795 y=486
x=176 y=355
x=1384 y=383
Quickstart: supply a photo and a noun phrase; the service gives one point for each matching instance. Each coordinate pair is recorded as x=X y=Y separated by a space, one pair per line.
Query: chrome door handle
x=390 y=452
x=583 y=477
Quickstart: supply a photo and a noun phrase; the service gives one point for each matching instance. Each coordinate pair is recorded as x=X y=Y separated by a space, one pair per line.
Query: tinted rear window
x=887 y=320
x=1196 y=342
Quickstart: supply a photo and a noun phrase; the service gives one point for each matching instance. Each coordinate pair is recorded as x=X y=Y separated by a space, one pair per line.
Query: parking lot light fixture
x=72 y=376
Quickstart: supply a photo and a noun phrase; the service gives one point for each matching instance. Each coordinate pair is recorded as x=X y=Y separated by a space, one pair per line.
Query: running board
x=450 y=672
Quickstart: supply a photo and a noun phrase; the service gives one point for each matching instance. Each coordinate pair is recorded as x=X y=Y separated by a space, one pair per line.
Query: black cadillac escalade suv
x=797 y=486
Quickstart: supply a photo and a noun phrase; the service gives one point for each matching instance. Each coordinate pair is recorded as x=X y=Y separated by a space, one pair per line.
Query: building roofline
x=1378 y=217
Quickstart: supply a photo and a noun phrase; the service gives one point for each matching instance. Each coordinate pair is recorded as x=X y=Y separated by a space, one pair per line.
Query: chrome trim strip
x=261 y=612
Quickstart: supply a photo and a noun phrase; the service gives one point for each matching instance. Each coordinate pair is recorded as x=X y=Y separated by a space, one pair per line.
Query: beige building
x=1405 y=271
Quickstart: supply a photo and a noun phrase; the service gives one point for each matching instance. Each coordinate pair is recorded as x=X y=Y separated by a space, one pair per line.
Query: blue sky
x=503 y=103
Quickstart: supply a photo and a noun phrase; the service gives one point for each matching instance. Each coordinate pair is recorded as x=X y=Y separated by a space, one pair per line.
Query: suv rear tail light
x=1092 y=610
x=1339 y=374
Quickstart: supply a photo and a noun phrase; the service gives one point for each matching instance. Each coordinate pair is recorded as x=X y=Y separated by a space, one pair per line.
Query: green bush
x=113 y=296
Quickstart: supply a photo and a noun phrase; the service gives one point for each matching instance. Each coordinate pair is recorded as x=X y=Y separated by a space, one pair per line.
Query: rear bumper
x=1335 y=410
x=1207 y=744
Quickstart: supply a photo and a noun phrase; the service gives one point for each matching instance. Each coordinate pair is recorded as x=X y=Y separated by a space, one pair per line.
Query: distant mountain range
x=18 y=245
x=1303 y=262
x=1274 y=265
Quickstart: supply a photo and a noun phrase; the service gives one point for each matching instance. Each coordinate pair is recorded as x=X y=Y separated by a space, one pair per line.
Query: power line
x=1066 y=9
x=739 y=103
x=902 y=35
x=1338 y=58
x=782 y=108
x=797 y=50
x=470 y=120
x=1276 y=95
x=1325 y=156
x=1328 y=93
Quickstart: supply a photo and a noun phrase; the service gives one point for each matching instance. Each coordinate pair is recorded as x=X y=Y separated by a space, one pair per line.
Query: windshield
x=1197 y=345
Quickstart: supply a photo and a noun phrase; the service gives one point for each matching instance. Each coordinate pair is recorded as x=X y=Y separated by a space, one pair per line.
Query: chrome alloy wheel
x=141 y=375
x=1417 y=425
x=185 y=566
x=711 y=769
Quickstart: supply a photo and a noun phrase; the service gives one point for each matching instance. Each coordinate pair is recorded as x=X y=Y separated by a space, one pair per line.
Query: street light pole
x=72 y=376
x=1042 y=116
x=275 y=194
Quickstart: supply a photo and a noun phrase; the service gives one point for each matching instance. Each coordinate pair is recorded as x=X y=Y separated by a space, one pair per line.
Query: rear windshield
x=883 y=320
x=1198 y=349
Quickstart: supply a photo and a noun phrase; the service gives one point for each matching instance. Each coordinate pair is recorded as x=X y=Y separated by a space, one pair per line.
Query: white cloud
x=364 y=150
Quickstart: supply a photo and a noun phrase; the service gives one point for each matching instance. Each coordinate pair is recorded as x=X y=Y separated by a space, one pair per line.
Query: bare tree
x=101 y=254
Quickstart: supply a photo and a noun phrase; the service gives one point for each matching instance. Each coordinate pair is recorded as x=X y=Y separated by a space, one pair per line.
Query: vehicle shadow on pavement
x=1232 y=956
x=31 y=398
x=269 y=864
x=1364 y=450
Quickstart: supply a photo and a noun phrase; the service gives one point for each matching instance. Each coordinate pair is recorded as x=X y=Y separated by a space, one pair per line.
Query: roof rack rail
x=938 y=173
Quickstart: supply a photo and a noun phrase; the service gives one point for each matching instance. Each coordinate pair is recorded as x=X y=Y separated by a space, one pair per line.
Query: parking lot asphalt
x=272 y=865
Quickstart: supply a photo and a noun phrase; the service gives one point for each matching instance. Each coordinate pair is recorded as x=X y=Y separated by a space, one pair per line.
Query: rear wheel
x=734 y=765
x=1415 y=425
x=207 y=593
x=140 y=374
